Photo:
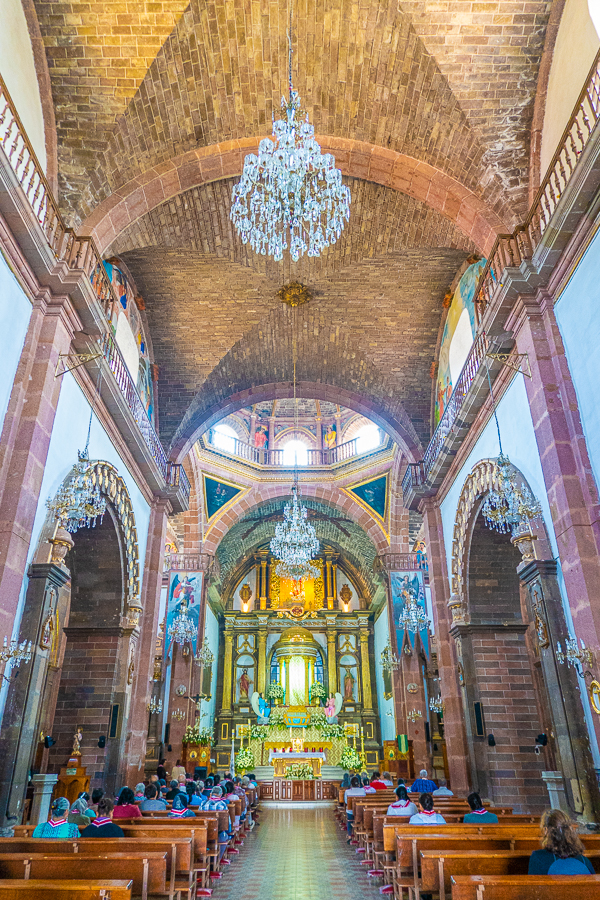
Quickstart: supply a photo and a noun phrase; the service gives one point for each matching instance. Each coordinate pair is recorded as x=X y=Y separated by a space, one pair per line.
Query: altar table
x=280 y=759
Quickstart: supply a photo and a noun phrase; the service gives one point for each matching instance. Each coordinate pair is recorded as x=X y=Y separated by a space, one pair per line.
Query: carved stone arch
x=112 y=486
x=482 y=478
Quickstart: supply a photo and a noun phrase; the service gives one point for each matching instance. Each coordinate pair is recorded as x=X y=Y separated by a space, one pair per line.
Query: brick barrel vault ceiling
x=362 y=71
x=374 y=322
x=382 y=221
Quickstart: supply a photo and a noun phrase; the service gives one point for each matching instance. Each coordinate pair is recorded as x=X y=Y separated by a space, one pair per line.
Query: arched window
x=224 y=438
x=367 y=438
x=295 y=453
x=594 y=8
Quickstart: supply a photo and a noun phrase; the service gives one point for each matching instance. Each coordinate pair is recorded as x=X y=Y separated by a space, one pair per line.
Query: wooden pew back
x=90 y=889
x=526 y=887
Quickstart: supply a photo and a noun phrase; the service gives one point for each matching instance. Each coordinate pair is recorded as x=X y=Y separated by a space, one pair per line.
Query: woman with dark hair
x=478 y=811
x=562 y=852
x=103 y=825
x=428 y=815
x=126 y=808
x=403 y=806
x=345 y=781
x=161 y=770
x=57 y=826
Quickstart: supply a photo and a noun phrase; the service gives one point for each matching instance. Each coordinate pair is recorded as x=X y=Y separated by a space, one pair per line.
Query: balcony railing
x=242 y=450
x=79 y=253
x=510 y=250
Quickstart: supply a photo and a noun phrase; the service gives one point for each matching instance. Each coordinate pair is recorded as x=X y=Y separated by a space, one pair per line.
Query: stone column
x=454 y=730
x=569 y=731
x=328 y=579
x=227 y=666
x=43 y=786
x=306 y=682
x=135 y=746
x=21 y=722
x=271 y=433
x=262 y=560
x=25 y=438
x=331 y=654
x=319 y=437
x=253 y=418
x=262 y=655
x=568 y=477
x=365 y=666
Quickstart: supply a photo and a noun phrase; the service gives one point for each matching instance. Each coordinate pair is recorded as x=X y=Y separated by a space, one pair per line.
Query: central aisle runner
x=296 y=854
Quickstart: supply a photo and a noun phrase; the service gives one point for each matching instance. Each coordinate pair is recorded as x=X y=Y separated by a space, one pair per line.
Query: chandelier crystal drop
x=78 y=503
x=295 y=542
x=413 y=617
x=204 y=656
x=389 y=660
x=155 y=706
x=511 y=505
x=182 y=630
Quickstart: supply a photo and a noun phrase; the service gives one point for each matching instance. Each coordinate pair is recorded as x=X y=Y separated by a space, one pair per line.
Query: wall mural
x=406 y=586
x=373 y=494
x=457 y=338
x=185 y=590
x=217 y=494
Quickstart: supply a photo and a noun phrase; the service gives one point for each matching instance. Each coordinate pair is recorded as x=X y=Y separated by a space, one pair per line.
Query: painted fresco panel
x=185 y=588
x=406 y=585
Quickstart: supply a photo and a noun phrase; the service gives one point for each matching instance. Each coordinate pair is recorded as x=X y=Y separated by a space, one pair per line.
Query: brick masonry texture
x=493 y=579
x=220 y=329
x=361 y=69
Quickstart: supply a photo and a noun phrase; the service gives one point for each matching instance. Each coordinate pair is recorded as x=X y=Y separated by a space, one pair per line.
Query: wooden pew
x=174 y=828
x=180 y=870
x=147 y=871
x=526 y=887
x=42 y=889
x=392 y=829
x=439 y=866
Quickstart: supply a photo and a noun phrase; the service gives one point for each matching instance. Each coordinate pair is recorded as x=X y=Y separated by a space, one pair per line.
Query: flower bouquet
x=317 y=692
x=275 y=691
x=302 y=770
x=351 y=760
x=244 y=761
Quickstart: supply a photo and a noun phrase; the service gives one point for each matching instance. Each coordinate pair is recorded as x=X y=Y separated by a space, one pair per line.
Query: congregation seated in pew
x=478 y=811
x=125 y=807
x=151 y=799
x=562 y=851
x=57 y=825
x=443 y=790
x=403 y=805
x=180 y=810
x=428 y=815
x=423 y=784
x=103 y=826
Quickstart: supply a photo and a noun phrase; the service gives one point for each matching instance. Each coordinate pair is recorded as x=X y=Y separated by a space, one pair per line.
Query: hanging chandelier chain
x=489 y=380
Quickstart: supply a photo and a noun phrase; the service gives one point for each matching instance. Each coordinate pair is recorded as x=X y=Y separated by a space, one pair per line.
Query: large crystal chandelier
x=511 y=505
x=295 y=542
x=413 y=617
x=78 y=503
x=291 y=195
x=14 y=653
x=182 y=629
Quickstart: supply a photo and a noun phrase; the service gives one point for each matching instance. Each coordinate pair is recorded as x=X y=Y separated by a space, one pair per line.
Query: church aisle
x=296 y=854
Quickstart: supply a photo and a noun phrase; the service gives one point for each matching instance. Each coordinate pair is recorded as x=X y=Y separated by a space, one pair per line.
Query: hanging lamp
x=290 y=195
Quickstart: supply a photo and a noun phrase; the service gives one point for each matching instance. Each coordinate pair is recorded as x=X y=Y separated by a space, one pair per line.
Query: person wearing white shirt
x=403 y=806
x=428 y=815
x=355 y=790
x=442 y=791
x=387 y=779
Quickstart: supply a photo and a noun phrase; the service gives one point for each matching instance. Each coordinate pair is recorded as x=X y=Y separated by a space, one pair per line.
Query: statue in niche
x=346 y=597
x=348 y=685
x=77 y=739
x=245 y=682
x=47 y=632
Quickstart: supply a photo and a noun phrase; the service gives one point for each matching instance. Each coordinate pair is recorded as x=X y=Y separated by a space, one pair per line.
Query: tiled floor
x=296 y=854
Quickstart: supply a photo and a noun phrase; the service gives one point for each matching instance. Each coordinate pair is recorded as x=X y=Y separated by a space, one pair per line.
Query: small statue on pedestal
x=77 y=739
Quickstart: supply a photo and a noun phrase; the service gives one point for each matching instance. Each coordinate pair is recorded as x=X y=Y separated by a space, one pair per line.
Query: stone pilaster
x=331 y=654
x=365 y=664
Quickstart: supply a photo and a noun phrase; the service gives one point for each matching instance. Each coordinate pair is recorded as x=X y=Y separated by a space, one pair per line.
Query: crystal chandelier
x=291 y=195
x=413 y=617
x=573 y=656
x=436 y=704
x=389 y=660
x=14 y=653
x=295 y=542
x=511 y=505
x=204 y=657
x=155 y=706
x=182 y=629
x=78 y=503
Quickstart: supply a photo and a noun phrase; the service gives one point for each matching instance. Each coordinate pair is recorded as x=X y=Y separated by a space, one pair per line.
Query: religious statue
x=261 y=438
x=77 y=739
x=245 y=683
x=330 y=708
x=329 y=438
x=348 y=685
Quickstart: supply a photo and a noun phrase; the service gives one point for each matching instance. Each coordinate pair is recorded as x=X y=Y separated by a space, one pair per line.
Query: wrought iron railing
x=510 y=250
x=78 y=253
x=264 y=457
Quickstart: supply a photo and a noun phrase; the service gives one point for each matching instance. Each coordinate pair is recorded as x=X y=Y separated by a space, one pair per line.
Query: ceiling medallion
x=290 y=195
x=294 y=294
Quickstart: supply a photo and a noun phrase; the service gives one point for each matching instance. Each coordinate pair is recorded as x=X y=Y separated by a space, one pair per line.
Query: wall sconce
x=245 y=597
x=414 y=715
x=178 y=715
x=154 y=707
x=573 y=656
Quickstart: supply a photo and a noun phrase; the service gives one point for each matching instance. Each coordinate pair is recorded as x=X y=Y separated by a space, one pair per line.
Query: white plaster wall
x=520 y=445
x=18 y=70
x=211 y=639
x=579 y=324
x=381 y=634
x=15 y=312
x=576 y=46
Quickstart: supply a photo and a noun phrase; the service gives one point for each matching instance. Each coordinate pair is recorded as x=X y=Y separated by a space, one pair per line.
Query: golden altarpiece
x=296 y=635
